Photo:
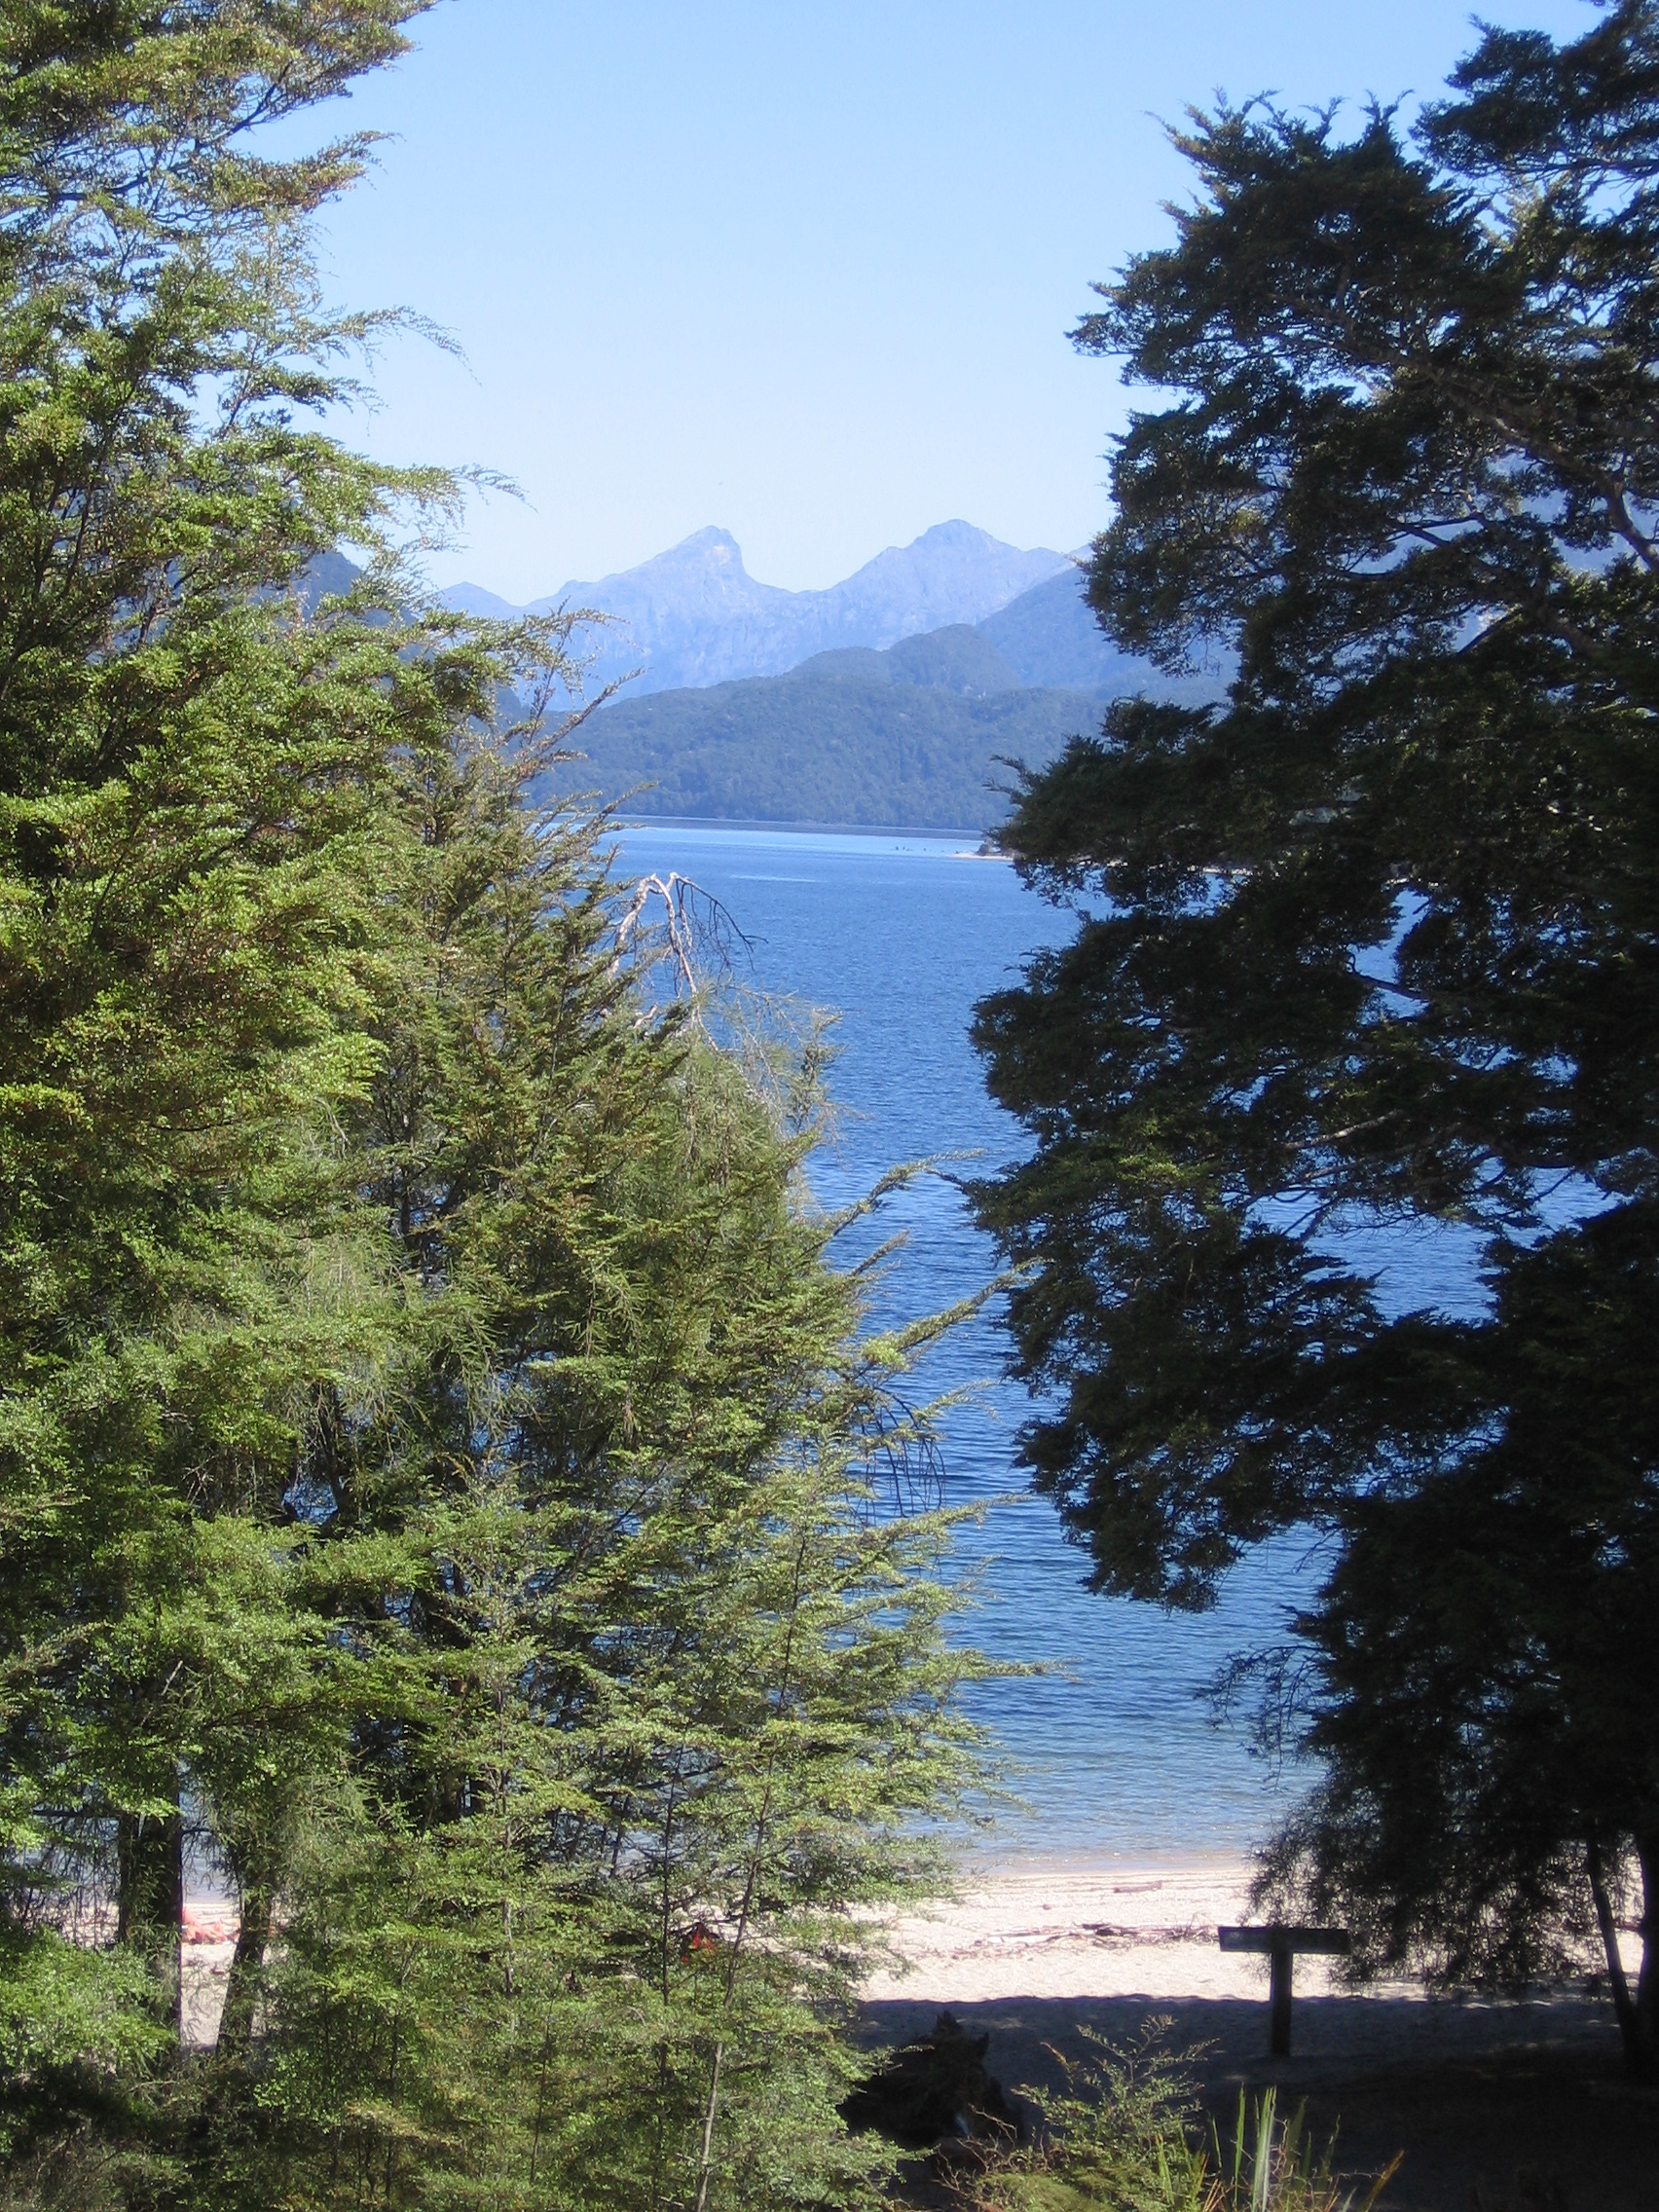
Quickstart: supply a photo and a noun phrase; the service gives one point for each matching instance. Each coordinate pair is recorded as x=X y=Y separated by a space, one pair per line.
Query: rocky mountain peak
x=693 y=616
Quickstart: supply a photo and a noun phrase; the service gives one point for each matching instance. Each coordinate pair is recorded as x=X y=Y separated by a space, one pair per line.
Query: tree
x=435 y=1452
x=1369 y=947
x=644 y=1696
x=191 y=814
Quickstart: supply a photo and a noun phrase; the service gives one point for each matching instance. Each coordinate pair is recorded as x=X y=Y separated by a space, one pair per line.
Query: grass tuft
x=1123 y=2135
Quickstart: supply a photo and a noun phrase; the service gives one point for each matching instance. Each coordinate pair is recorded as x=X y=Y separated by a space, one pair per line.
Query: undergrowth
x=1123 y=2135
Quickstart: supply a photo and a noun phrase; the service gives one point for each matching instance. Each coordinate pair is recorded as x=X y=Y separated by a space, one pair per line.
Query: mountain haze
x=914 y=736
x=695 y=616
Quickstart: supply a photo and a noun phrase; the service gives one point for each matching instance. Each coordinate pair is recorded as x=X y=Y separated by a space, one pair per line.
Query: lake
x=1120 y=1753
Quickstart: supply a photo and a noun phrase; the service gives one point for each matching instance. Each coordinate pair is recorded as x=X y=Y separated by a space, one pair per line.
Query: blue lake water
x=1120 y=1753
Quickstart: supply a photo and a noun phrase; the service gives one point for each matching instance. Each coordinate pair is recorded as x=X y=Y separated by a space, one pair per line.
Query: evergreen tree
x=1372 y=948
x=189 y=843
x=435 y=1452
x=646 y=1695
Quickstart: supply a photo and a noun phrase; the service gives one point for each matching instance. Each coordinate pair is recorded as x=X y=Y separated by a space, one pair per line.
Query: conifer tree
x=1370 y=949
x=651 y=1696
x=435 y=1452
x=189 y=778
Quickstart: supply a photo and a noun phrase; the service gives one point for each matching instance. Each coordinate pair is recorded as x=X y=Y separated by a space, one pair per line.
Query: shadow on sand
x=1498 y=2107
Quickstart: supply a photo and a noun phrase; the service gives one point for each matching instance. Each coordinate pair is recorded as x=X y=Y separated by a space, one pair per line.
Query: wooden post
x=1278 y=1997
x=1281 y=1946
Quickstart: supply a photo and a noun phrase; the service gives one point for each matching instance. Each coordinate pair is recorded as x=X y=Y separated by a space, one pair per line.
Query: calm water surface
x=1118 y=1752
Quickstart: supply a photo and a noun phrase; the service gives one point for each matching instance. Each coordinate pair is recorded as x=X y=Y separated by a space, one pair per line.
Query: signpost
x=1281 y=1944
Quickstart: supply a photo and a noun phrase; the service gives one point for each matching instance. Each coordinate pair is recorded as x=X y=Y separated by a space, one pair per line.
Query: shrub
x=1123 y=2136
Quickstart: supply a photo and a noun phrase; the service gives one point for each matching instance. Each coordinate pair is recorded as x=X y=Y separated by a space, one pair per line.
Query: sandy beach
x=1015 y=1929
x=1483 y=2097
x=1489 y=2099
x=1064 y=1929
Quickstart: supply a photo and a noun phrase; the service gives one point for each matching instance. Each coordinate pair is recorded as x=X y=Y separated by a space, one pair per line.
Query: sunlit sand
x=1063 y=1929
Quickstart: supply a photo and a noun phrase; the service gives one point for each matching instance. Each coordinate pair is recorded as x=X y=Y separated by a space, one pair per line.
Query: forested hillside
x=918 y=736
x=825 y=744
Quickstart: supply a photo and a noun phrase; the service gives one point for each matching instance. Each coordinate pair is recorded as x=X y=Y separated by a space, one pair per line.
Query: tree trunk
x=242 y=1988
x=1645 y=2061
x=150 y=1897
x=705 y=2166
x=1637 y=2013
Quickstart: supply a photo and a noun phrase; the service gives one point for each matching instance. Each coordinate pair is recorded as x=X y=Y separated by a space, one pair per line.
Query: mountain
x=914 y=734
x=695 y=616
x=473 y=599
x=956 y=658
x=915 y=737
x=1049 y=636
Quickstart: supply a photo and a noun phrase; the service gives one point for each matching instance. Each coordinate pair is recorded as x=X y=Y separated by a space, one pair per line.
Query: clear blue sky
x=801 y=269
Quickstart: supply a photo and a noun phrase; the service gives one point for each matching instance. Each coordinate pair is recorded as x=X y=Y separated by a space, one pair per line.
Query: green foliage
x=1123 y=2135
x=862 y=746
x=189 y=782
x=646 y=1695
x=1369 y=951
x=435 y=1452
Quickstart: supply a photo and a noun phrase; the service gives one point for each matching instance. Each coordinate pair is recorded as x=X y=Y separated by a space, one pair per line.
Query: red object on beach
x=209 y=1926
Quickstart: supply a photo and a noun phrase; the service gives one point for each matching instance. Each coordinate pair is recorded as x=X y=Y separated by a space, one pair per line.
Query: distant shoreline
x=933 y=836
